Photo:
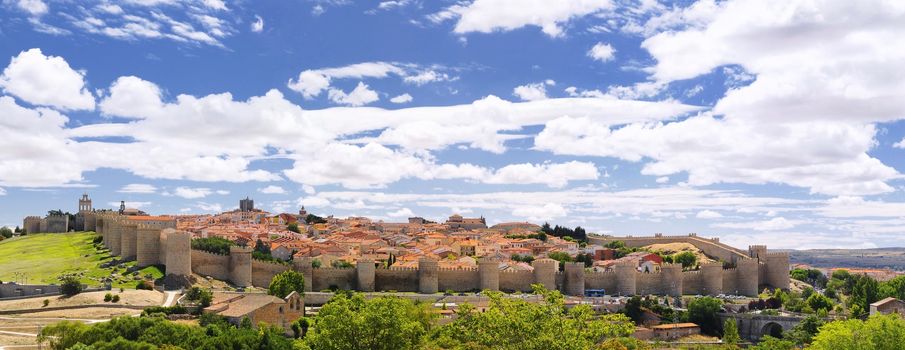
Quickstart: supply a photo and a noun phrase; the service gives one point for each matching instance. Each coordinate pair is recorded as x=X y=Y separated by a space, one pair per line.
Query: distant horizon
x=758 y=122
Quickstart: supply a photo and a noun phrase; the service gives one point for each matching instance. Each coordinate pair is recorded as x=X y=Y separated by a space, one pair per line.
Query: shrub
x=70 y=286
x=46 y=302
x=108 y=297
x=144 y=285
x=166 y=310
x=201 y=296
x=115 y=298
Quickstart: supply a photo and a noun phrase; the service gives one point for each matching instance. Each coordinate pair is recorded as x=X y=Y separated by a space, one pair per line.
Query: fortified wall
x=151 y=244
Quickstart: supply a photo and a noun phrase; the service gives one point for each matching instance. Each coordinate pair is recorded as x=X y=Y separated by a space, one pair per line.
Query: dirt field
x=94 y=313
x=128 y=297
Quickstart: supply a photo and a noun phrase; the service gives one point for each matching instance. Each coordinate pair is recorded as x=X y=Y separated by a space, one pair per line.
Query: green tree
x=285 y=283
x=730 y=332
x=703 y=311
x=633 y=309
x=294 y=227
x=879 y=332
x=770 y=343
x=687 y=259
x=866 y=290
x=215 y=245
x=383 y=323
x=262 y=247
x=819 y=302
x=200 y=295
x=6 y=232
x=510 y=324
x=70 y=285
x=804 y=331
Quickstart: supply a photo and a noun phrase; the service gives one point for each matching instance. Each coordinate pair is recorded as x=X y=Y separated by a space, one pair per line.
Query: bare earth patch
x=128 y=297
x=94 y=313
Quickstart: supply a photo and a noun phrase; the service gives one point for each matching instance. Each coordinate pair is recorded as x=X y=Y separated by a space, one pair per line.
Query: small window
x=281 y=309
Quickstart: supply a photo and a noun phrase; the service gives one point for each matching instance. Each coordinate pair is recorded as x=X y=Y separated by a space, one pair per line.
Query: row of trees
x=351 y=322
x=577 y=234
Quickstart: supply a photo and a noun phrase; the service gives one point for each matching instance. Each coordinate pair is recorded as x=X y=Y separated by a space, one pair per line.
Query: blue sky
x=760 y=122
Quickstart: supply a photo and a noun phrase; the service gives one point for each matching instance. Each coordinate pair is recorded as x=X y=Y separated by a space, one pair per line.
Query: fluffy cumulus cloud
x=404 y=98
x=47 y=81
x=602 y=52
x=533 y=91
x=547 y=212
x=272 y=189
x=487 y=16
x=359 y=96
x=32 y=7
x=316 y=140
x=312 y=82
x=258 y=25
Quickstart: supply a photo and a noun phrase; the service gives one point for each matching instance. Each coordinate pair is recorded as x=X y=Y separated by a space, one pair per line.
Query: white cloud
x=427 y=76
x=135 y=205
x=487 y=16
x=547 y=212
x=131 y=97
x=662 y=179
x=531 y=92
x=35 y=149
x=272 y=189
x=138 y=188
x=359 y=96
x=308 y=189
x=404 y=98
x=401 y=213
x=258 y=25
x=602 y=52
x=774 y=224
x=47 y=81
x=33 y=7
x=310 y=83
x=2 y=191
x=828 y=157
x=209 y=207
x=215 y=4
x=191 y=193
x=708 y=214
x=553 y=175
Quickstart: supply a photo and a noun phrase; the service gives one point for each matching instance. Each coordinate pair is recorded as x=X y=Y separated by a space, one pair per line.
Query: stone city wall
x=173 y=249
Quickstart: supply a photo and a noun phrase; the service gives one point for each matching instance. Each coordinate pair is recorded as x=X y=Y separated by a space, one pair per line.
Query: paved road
x=171 y=297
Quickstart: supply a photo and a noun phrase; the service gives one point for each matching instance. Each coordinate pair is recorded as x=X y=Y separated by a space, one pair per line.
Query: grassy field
x=44 y=257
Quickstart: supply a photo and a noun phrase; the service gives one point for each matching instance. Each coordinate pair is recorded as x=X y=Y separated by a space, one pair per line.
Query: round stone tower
x=128 y=239
x=712 y=278
x=428 y=272
x=747 y=278
x=545 y=272
x=489 y=272
x=672 y=283
x=365 y=271
x=574 y=283
x=99 y=222
x=303 y=266
x=116 y=228
x=777 y=266
x=626 y=277
x=240 y=266
x=179 y=252
x=148 y=246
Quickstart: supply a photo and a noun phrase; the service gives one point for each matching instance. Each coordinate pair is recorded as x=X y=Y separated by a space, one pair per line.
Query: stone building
x=246 y=205
x=456 y=222
x=888 y=306
x=258 y=308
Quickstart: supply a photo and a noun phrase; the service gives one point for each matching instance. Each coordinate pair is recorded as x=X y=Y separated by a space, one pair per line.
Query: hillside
x=893 y=258
x=673 y=248
x=41 y=258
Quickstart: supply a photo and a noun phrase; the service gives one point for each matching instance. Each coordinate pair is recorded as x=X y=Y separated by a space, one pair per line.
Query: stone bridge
x=755 y=326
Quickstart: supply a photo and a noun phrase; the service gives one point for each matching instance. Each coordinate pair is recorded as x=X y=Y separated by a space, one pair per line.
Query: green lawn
x=44 y=257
